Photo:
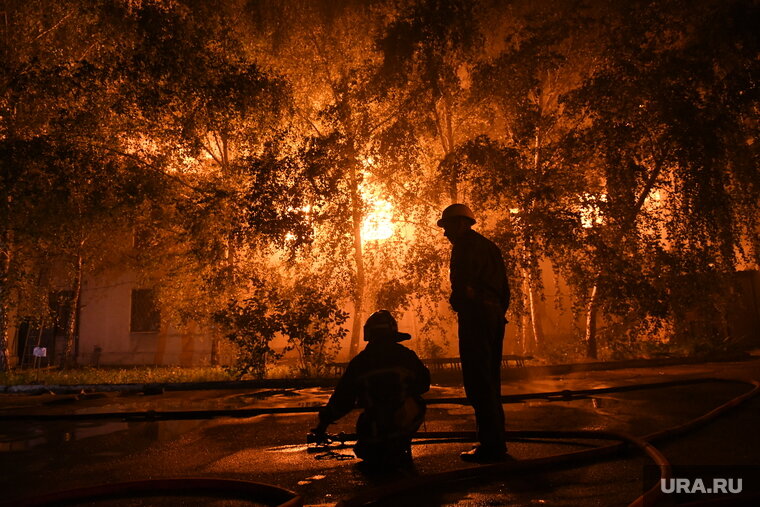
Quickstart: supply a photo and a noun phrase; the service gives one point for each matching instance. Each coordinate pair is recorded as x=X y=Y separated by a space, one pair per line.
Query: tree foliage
x=668 y=159
x=247 y=143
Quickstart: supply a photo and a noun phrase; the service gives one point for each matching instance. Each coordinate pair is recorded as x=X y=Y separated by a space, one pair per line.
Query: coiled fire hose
x=573 y=458
x=274 y=495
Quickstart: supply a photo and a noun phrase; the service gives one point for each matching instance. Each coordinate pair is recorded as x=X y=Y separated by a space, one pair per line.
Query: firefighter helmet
x=456 y=210
x=382 y=323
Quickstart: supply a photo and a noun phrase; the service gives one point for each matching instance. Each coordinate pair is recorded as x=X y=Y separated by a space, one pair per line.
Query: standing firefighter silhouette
x=480 y=297
x=386 y=380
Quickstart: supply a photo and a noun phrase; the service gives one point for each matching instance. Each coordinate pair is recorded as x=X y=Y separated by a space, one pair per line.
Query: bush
x=309 y=318
x=313 y=324
x=251 y=325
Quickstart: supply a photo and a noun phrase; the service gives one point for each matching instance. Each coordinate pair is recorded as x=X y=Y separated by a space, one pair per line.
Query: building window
x=146 y=318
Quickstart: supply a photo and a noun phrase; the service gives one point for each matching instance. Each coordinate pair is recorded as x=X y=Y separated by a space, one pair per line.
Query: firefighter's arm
x=341 y=402
x=462 y=276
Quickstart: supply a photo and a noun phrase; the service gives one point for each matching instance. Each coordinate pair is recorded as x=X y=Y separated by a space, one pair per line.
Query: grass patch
x=106 y=375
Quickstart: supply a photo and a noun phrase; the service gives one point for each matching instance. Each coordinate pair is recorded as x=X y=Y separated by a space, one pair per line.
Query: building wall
x=105 y=325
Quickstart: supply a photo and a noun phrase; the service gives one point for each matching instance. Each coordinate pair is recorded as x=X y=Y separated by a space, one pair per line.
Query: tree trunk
x=522 y=334
x=454 y=183
x=5 y=293
x=215 y=348
x=5 y=359
x=538 y=333
x=69 y=353
x=593 y=303
x=446 y=135
x=535 y=322
x=591 y=311
x=358 y=300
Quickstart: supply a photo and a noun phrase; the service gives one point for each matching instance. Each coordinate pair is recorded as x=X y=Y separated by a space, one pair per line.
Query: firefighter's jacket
x=477 y=273
x=380 y=379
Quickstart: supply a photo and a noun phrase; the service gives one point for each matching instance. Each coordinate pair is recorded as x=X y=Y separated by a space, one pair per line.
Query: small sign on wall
x=39 y=352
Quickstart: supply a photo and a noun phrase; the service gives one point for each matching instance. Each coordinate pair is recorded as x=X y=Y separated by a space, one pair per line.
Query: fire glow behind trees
x=267 y=147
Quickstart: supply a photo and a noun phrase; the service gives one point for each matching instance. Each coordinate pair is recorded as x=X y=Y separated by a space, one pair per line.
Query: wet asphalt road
x=39 y=457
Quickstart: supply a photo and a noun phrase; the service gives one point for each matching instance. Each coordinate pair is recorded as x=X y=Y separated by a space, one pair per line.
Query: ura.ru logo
x=717 y=485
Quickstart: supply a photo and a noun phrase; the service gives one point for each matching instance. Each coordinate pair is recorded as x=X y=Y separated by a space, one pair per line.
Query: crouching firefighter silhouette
x=387 y=380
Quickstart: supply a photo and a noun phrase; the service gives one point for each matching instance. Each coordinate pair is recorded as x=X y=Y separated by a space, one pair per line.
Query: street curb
x=444 y=377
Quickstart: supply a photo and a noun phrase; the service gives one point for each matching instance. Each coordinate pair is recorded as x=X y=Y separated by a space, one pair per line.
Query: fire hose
x=278 y=496
x=248 y=490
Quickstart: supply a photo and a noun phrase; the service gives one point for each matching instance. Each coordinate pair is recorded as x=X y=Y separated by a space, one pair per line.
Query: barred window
x=146 y=317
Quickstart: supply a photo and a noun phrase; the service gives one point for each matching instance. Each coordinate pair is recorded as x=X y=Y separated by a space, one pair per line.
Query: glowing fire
x=591 y=213
x=378 y=223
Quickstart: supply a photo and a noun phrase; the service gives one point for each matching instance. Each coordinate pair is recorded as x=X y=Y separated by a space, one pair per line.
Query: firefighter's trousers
x=481 y=335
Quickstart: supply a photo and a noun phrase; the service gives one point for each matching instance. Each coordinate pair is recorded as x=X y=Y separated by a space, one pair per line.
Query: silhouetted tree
x=661 y=121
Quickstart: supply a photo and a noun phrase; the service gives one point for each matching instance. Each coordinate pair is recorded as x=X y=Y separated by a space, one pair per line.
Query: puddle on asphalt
x=35 y=435
x=23 y=436
x=303 y=397
x=265 y=395
x=311 y=479
x=29 y=436
x=288 y=448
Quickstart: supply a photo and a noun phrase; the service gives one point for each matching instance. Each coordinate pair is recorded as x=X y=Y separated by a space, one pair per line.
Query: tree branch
x=41 y=35
x=144 y=163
